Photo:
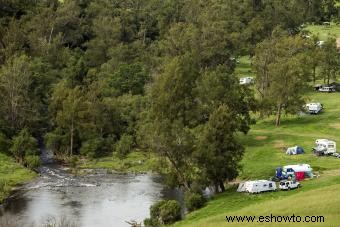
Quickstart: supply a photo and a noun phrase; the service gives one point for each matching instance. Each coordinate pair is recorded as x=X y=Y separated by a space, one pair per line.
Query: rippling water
x=98 y=199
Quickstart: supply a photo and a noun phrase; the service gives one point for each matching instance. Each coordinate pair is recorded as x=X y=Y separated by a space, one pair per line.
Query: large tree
x=282 y=69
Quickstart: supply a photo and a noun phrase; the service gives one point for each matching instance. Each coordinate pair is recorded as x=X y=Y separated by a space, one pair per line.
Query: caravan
x=314 y=108
x=324 y=147
x=257 y=186
x=246 y=80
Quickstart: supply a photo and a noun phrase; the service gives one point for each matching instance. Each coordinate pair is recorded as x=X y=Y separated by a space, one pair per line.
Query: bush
x=164 y=212
x=24 y=145
x=4 y=143
x=194 y=201
x=92 y=148
x=32 y=161
x=124 y=145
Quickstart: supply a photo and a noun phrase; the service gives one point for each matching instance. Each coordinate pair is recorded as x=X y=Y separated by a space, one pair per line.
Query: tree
x=330 y=60
x=69 y=107
x=219 y=152
x=286 y=75
x=172 y=113
x=15 y=82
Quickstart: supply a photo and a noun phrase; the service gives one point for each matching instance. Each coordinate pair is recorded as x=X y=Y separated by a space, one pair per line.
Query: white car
x=287 y=185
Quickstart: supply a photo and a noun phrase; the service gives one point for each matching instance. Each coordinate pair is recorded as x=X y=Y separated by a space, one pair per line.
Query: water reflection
x=95 y=200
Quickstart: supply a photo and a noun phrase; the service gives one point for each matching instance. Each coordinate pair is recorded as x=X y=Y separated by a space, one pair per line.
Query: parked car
x=287 y=185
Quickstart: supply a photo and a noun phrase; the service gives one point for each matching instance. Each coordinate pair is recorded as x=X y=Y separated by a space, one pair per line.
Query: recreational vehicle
x=257 y=186
x=314 y=108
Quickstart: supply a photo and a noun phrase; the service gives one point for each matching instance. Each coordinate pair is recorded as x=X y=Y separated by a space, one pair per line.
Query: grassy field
x=134 y=162
x=265 y=151
x=323 y=32
x=11 y=174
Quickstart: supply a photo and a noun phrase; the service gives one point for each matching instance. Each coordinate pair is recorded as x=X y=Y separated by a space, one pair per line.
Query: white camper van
x=257 y=186
x=325 y=146
x=246 y=80
x=314 y=108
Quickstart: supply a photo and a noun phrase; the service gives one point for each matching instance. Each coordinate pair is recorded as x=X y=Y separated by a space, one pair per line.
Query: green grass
x=12 y=174
x=134 y=162
x=264 y=152
x=243 y=67
x=323 y=32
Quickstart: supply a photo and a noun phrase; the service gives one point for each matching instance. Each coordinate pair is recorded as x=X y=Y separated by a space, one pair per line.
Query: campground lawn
x=265 y=146
x=323 y=32
x=12 y=174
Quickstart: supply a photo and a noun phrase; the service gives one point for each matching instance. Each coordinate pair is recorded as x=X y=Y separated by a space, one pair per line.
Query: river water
x=95 y=199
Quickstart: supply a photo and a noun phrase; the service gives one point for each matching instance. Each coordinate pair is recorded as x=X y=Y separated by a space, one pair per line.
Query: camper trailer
x=314 y=108
x=324 y=147
x=257 y=186
x=246 y=80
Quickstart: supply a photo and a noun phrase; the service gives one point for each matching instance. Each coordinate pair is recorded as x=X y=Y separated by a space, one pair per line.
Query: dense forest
x=101 y=77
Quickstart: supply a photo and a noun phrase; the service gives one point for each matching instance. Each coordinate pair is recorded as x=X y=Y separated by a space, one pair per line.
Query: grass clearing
x=264 y=153
x=243 y=67
x=134 y=162
x=12 y=174
x=323 y=32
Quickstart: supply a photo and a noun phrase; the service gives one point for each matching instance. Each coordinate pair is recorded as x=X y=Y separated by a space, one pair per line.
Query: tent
x=300 y=175
x=295 y=150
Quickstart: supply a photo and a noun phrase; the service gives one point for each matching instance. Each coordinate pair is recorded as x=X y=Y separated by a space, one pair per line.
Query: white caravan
x=246 y=80
x=257 y=186
x=314 y=108
x=326 y=146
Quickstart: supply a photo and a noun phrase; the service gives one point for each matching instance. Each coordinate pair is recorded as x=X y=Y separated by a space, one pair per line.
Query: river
x=97 y=199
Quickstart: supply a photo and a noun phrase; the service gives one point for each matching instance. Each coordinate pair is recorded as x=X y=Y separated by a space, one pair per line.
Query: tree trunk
x=222 y=186
x=71 y=142
x=216 y=188
x=314 y=75
x=278 y=115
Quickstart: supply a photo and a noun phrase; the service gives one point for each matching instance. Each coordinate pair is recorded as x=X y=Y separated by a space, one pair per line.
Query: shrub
x=24 y=145
x=124 y=145
x=92 y=147
x=164 y=212
x=32 y=161
x=194 y=201
x=4 y=143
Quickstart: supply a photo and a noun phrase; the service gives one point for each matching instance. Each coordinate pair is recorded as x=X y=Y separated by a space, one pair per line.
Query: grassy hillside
x=11 y=174
x=265 y=151
x=314 y=199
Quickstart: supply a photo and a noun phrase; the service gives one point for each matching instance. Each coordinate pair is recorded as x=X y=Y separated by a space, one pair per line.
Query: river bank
x=12 y=175
x=135 y=162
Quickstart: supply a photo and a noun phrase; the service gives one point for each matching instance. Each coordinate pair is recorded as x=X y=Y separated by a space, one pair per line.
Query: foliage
x=4 y=143
x=124 y=145
x=283 y=69
x=92 y=148
x=194 y=201
x=25 y=146
x=164 y=212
